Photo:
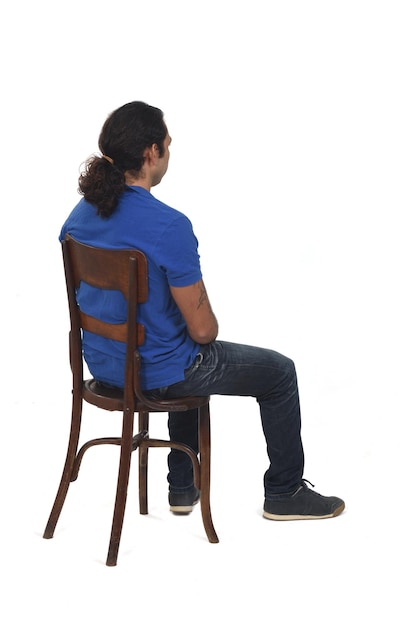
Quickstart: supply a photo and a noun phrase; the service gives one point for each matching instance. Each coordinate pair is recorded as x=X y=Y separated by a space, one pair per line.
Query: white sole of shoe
x=283 y=518
x=183 y=509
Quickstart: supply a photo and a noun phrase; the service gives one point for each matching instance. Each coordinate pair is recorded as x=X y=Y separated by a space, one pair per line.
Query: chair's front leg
x=204 y=440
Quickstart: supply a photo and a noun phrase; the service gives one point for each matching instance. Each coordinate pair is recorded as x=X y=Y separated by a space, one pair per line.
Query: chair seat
x=111 y=399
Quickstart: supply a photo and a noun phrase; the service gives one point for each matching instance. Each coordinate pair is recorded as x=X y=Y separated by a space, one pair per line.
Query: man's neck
x=138 y=181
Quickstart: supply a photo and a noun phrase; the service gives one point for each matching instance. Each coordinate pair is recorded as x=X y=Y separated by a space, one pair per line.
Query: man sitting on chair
x=181 y=355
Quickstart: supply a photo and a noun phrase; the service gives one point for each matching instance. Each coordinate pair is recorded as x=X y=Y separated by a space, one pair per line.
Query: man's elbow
x=205 y=335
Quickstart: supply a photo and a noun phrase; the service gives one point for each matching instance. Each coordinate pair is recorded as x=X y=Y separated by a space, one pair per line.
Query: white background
x=294 y=155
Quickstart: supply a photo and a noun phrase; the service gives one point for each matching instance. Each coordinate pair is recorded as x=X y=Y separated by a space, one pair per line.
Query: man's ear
x=152 y=154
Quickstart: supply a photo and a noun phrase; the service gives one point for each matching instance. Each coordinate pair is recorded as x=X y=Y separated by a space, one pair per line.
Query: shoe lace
x=304 y=480
x=303 y=485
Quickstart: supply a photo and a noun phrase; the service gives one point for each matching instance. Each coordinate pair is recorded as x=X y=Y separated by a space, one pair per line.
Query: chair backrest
x=122 y=270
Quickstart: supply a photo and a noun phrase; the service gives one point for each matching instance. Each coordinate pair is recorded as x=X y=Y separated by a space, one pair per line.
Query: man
x=181 y=354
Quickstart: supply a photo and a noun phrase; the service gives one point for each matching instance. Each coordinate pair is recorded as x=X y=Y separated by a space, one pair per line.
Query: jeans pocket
x=194 y=365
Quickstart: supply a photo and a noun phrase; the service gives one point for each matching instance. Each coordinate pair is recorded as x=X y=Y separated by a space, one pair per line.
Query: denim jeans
x=231 y=369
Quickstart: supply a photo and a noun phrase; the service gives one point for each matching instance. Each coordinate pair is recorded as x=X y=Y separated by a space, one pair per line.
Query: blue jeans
x=231 y=369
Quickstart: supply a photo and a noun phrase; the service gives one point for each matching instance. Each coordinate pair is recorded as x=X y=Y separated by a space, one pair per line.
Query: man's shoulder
x=137 y=196
x=170 y=211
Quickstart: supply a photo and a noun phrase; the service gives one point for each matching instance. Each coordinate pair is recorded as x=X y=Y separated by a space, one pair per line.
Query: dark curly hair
x=126 y=133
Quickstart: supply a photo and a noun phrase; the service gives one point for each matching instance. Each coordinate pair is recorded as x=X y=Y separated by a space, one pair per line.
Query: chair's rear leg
x=143 y=463
x=121 y=492
x=67 y=474
x=204 y=436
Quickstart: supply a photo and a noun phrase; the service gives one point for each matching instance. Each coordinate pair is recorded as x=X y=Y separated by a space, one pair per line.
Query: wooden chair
x=126 y=271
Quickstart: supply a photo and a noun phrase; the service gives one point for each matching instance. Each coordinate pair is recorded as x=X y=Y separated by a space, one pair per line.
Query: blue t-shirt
x=166 y=237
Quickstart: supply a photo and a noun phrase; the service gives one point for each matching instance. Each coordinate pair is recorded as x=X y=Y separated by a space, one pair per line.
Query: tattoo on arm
x=203 y=297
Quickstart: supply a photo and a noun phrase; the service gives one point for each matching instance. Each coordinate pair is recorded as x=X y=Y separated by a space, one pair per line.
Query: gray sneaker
x=304 y=503
x=183 y=503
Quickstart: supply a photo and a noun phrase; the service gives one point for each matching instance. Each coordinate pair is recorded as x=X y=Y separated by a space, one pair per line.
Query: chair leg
x=205 y=450
x=67 y=474
x=143 y=464
x=122 y=484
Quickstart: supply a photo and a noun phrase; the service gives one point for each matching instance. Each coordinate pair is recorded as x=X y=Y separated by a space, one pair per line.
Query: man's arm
x=194 y=304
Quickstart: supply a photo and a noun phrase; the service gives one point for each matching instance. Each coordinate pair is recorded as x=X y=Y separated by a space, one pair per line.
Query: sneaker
x=304 y=503
x=182 y=503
